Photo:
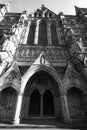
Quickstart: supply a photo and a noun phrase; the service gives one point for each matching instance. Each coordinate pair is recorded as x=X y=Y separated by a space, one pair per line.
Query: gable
x=71 y=78
x=42 y=12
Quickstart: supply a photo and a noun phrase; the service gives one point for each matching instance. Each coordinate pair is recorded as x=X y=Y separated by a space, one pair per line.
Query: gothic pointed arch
x=13 y=79
x=54 y=35
x=43 y=78
x=74 y=78
x=36 y=99
x=30 y=82
x=31 y=35
x=76 y=103
x=42 y=38
x=36 y=67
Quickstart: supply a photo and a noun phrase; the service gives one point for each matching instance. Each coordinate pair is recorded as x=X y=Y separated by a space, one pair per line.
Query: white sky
x=66 y=6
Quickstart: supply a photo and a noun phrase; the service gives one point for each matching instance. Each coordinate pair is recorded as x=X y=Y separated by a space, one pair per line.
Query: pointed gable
x=40 y=63
x=71 y=77
x=42 y=12
x=41 y=60
x=11 y=77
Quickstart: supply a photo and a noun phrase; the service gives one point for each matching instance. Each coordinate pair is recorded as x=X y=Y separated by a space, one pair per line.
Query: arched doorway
x=76 y=103
x=8 y=98
x=41 y=97
x=48 y=104
x=34 y=105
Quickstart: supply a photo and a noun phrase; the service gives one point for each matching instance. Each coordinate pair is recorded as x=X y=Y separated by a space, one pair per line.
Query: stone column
x=36 y=33
x=27 y=32
x=18 y=109
x=65 y=108
x=49 y=34
x=41 y=90
x=41 y=105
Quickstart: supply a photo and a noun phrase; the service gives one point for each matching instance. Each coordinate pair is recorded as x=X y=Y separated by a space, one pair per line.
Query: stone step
x=43 y=124
x=52 y=123
x=31 y=127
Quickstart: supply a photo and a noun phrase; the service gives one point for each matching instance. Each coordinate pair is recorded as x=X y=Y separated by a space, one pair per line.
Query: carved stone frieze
x=52 y=54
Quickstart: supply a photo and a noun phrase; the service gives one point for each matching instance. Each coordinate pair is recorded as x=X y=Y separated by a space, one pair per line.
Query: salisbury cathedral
x=43 y=66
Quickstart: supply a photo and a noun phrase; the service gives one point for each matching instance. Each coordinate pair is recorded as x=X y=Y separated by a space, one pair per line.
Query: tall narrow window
x=31 y=35
x=42 y=39
x=54 y=35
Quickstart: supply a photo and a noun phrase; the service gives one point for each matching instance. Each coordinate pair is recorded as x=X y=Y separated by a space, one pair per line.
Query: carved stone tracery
x=52 y=54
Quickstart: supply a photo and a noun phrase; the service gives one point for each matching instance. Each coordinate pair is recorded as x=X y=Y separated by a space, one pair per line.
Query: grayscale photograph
x=43 y=64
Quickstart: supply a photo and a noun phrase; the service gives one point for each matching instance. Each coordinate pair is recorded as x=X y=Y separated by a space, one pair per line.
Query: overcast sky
x=66 y=6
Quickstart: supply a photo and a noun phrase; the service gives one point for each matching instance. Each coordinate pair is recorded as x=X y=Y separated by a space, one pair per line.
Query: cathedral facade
x=43 y=71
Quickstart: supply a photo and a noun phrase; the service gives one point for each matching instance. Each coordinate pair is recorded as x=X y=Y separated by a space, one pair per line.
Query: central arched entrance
x=41 y=97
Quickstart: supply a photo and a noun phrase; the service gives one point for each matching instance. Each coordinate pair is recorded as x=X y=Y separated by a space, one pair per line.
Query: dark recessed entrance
x=34 y=106
x=41 y=105
x=39 y=99
x=48 y=103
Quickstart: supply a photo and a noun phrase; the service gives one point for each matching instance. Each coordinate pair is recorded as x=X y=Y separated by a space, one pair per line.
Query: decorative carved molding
x=30 y=53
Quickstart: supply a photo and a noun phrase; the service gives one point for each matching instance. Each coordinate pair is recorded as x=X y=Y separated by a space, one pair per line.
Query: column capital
x=42 y=91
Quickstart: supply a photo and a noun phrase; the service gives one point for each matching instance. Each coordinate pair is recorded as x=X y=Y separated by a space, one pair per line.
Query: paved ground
x=43 y=125
x=39 y=129
x=31 y=127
